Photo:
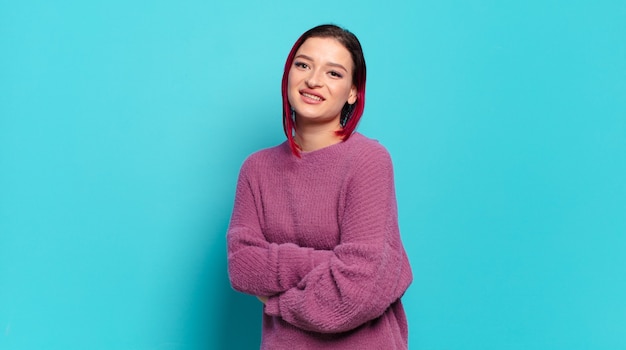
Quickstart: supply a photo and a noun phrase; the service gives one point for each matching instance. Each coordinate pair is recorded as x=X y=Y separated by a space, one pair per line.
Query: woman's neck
x=312 y=138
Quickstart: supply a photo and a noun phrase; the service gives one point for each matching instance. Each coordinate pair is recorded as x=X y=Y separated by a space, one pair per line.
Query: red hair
x=353 y=112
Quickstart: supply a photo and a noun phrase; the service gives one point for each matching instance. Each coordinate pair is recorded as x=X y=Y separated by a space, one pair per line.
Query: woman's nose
x=313 y=80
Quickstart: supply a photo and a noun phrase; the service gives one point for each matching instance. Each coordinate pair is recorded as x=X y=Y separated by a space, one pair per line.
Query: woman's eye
x=301 y=65
x=335 y=74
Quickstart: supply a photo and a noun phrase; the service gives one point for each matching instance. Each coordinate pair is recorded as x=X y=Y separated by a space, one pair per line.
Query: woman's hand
x=262 y=298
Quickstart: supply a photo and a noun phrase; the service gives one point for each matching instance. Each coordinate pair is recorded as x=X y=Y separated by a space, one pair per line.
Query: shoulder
x=367 y=150
x=370 y=168
x=264 y=159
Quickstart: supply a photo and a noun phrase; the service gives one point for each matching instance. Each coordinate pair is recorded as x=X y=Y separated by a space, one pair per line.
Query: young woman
x=314 y=230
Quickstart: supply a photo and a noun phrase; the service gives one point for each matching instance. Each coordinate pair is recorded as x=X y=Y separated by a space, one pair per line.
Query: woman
x=314 y=230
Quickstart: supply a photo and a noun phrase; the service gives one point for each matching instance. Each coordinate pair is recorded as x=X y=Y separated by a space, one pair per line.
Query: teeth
x=311 y=96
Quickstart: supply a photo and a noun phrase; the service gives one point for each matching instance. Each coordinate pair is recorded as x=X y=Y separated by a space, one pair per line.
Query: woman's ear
x=352 y=96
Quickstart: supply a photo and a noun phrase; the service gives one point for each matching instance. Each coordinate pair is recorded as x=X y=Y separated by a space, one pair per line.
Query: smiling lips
x=312 y=97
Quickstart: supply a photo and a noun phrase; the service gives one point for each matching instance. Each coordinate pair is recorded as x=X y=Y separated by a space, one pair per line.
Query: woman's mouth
x=312 y=97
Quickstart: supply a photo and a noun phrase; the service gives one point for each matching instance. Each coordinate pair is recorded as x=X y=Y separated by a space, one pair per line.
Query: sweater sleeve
x=256 y=266
x=367 y=271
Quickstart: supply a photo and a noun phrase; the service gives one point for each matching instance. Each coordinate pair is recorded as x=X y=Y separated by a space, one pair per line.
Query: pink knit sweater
x=319 y=236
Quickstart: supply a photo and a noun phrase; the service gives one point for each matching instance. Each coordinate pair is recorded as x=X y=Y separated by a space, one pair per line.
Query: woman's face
x=320 y=81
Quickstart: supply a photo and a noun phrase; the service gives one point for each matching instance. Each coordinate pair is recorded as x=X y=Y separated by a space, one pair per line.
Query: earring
x=293 y=114
x=346 y=114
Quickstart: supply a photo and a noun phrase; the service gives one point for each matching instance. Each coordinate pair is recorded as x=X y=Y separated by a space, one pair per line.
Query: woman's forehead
x=325 y=50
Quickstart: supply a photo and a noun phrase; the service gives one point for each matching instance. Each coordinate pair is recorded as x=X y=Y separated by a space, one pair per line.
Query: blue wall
x=123 y=125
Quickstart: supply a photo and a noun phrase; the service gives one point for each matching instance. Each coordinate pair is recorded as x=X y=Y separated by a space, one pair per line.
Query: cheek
x=343 y=90
x=292 y=80
x=290 y=83
x=290 y=87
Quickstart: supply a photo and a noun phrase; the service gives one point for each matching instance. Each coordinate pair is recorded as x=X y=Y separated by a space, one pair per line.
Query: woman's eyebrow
x=304 y=56
x=337 y=65
x=332 y=64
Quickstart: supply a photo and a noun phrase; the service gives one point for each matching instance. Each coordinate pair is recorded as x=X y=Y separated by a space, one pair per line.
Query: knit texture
x=319 y=236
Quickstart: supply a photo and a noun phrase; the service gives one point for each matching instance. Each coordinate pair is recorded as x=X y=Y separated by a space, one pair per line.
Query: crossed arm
x=322 y=290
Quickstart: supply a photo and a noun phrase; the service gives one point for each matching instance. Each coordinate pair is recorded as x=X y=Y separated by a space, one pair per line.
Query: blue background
x=123 y=125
